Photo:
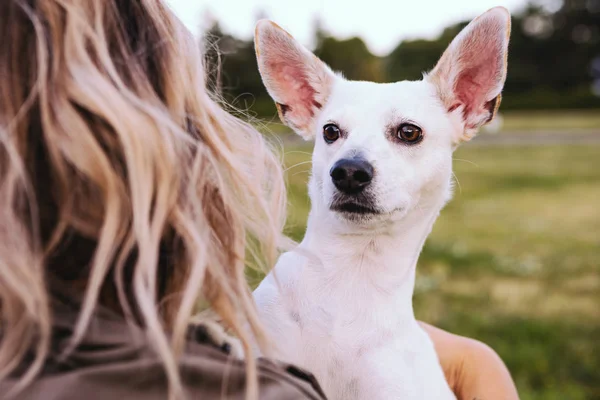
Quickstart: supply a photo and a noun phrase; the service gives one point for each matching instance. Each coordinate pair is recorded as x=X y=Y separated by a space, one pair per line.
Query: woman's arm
x=473 y=370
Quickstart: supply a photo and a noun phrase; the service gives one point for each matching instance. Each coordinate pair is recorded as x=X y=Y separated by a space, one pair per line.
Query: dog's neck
x=377 y=263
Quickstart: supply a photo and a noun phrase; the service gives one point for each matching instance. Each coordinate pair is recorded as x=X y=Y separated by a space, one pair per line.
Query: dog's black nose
x=351 y=175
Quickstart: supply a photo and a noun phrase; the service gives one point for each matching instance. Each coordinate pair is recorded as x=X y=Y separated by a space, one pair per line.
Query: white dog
x=340 y=305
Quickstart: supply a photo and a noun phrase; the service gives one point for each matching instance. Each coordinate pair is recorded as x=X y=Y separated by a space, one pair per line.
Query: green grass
x=551 y=120
x=513 y=260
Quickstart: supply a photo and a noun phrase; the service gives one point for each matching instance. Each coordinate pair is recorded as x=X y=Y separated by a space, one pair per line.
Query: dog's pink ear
x=296 y=79
x=471 y=73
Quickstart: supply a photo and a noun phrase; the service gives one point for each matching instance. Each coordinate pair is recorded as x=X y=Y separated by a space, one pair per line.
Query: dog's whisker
x=458 y=182
x=467 y=161
x=296 y=165
x=298 y=152
x=301 y=172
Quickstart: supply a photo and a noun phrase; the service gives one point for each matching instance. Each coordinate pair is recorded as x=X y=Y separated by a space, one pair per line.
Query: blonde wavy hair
x=112 y=155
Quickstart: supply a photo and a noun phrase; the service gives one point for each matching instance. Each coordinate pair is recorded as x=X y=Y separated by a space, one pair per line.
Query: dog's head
x=382 y=150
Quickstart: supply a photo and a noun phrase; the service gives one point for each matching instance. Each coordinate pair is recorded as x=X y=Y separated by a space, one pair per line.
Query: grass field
x=551 y=120
x=513 y=260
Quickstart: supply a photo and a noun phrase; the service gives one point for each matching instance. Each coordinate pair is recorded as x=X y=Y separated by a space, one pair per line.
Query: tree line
x=554 y=60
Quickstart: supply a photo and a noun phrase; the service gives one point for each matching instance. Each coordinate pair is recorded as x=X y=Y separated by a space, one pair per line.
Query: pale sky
x=382 y=23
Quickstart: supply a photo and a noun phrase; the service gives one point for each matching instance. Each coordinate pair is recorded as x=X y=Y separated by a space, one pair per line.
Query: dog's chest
x=353 y=364
x=353 y=352
x=358 y=345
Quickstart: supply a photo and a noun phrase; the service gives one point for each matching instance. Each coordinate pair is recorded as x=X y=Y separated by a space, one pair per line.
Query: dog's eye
x=410 y=133
x=331 y=133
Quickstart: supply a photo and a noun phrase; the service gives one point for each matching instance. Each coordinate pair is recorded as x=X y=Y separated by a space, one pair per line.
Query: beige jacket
x=113 y=362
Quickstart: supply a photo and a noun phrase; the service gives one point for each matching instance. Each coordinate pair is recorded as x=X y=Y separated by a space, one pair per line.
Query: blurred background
x=514 y=258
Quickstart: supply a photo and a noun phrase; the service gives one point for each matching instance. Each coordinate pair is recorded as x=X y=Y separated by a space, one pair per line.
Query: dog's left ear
x=471 y=73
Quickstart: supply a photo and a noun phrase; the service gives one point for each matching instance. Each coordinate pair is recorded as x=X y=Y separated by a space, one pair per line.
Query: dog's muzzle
x=351 y=176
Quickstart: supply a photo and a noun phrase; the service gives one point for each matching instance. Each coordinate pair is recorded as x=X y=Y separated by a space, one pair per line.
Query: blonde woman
x=126 y=198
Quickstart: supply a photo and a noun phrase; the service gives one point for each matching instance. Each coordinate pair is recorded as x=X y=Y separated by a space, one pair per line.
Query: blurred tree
x=233 y=72
x=351 y=57
x=551 y=56
x=320 y=32
x=554 y=59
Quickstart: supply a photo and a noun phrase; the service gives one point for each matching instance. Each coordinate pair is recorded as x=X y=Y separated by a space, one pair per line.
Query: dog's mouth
x=354 y=208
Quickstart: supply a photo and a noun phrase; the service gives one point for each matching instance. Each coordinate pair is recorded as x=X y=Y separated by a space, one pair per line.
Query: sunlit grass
x=550 y=120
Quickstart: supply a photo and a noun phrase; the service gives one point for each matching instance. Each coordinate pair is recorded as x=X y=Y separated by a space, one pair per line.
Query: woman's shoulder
x=110 y=363
x=205 y=372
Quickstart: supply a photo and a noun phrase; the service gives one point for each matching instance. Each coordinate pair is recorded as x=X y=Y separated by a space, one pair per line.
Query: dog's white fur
x=340 y=305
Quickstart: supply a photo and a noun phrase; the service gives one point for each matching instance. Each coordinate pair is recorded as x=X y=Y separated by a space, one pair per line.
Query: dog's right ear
x=472 y=71
x=295 y=78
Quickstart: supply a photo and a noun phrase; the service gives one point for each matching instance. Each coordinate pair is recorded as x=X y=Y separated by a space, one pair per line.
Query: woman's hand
x=473 y=370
